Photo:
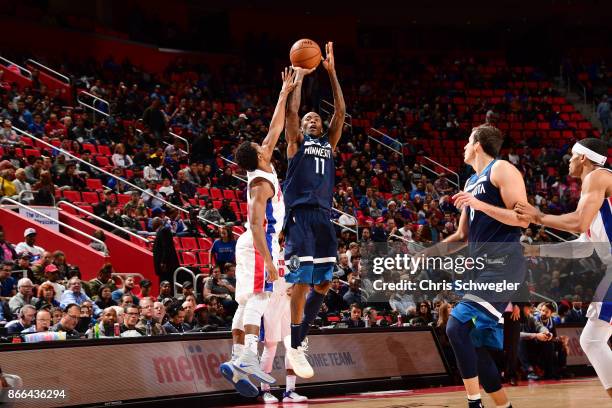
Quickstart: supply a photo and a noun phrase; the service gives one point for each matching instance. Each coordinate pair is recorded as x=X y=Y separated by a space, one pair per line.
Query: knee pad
x=237 y=321
x=254 y=309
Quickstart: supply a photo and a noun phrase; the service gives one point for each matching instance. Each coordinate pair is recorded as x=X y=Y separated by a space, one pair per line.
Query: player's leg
x=489 y=377
x=290 y=395
x=594 y=343
x=267 y=361
x=325 y=254
x=239 y=380
x=248 y=361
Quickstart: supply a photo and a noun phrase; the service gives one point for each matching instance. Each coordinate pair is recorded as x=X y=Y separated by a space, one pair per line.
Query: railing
x=457 y=184
x=329 y=112
x=40 y=214
x=234 y=164
x=549 y=232
x=181 y=138
x=356 y=230
x=384 y=144
x=91 y=105
x=24 y=71
x=97 y=218
x=46 y=68
x=101 y=170
x=536 y=294
x=179 y=285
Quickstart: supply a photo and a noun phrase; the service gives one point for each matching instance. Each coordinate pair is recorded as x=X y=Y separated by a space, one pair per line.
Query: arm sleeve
x=578 y=248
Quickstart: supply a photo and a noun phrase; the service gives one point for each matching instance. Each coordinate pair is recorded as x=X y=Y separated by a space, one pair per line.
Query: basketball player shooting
x=311 y=245
x=491 y=228
x=257 y=250
x=593 y=220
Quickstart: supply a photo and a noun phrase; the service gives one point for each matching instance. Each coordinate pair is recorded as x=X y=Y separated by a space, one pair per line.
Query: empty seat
x=189 y=243
x=94 y=184
x=229 y=194
x=73 y=196
x=216 y=194
x=189 y=258
x=91 y=197
x=204 y=244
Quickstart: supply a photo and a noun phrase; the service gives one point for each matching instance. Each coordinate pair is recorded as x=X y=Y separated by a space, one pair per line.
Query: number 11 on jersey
x=319 y=169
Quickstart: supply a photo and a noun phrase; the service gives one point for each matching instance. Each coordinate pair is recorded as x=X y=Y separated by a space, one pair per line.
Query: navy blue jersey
x=311 y=174
x=483 y=228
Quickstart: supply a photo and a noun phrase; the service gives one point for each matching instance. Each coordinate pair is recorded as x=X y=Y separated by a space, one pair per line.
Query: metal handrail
x=165 y=143
x=66 y=153
x=40 y=214
x=237 y=177
x=120 y=275
x=184 y=140
x=555 y=235
x=384 y=144
x=69 y=204
x=9 y=62
x=176 y=284
x=217 y=225
x=346 y=115
x=234 y=164
x=95 y=98
x=445 y=168
x=545 y=298
x=344 y=226
x=44 y=67
x=356 y=221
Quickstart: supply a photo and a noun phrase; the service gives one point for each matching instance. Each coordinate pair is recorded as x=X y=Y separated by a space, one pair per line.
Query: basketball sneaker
x=267 y=398
x=475 y=403
x=297 y=358
x=239 y=380
x=292 y=396
x=248 y=363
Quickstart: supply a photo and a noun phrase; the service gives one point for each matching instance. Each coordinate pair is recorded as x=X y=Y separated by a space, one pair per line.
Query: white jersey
x=600 y=231
x=275 y=210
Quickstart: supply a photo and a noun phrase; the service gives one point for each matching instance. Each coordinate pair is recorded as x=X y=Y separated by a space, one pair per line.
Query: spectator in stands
x=23 y=264
x=25 y=319
x=70 y=179
x=59 y=260
x=127 y=289
x=106 y=326
x=29 y=244
x=210 y=213
x=603 y=113
x=354 y=295
x=226 y=212
x=165 y=291
x=186 y=188
x=23 y=297
x=42 y=322
x=176 y=322
x=33 y=171
x=130 y=320
x=7 y=134
x=46 y=297
x=38 y=266
x=104 y=278
x=51 y=275
x=355 y=318
x=186 y=291
x=21 y=184
x=112 y=215
x=334 y=297
x=145 y=289
x=558 y=343
x=151 y=197
x=224 y=248
x=125 y=300
x=54 y=129
x=8 y=284
x=120 y=159
x=188 y=307
x=576 y=314
x=343 y=268
x=105 y=296
x=424 y=313
x=45 y=189
x=147 y=318
x=533 y=335
x=159 y=312
x=56 y=316
x=99 y=246
x=73 y=294
x=165 y=259
x=155 y=119
x=7 y=251
x=86 y=320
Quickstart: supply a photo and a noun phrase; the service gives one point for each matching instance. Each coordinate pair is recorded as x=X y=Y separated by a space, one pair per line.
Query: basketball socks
x=290 y=383
x=474 y=401
x=296 y=333
x=311 y=310
x=250 y=342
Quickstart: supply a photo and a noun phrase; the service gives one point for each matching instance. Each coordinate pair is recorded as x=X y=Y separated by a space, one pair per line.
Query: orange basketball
x=305 y=53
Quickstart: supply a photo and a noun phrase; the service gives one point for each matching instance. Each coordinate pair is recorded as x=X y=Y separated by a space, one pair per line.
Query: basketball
x=305 y=53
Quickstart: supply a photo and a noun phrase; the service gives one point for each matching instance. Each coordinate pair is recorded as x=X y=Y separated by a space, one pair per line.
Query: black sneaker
x=475 y=404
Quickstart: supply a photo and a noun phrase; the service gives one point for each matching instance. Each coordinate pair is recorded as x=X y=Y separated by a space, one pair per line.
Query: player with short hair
x=491 y=227
x=593 y=220
x=257 y=249
x=311 y=249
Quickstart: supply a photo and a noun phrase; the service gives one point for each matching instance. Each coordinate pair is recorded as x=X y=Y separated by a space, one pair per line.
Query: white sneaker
x=292 y=396
x=267 y=398
x=297 y=358
x=248 y=363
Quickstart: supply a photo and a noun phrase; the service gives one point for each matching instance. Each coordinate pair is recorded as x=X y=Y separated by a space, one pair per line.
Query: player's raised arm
x=511 y=186
x=293 y=135
x=261 y=191
x=278 y=118
x=593 y=193
x=337 y=121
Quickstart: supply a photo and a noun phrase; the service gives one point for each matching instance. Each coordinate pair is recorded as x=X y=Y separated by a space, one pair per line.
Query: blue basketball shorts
x=311 y=246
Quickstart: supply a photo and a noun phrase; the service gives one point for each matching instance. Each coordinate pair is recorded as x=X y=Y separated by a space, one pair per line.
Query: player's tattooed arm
x=278 y=118
x=337 y=121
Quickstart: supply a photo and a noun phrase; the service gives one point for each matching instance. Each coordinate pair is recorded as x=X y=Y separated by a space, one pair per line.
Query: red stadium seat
x=204 y=258
x=73 y=196
x=102 y=161
x=31 y=152
x=104 y=150
x=216 y=194
x=123 y=199
x=229 y=194
x=189 y=243
x=91 y=197
x=189 y=258
x=203 y=191
x=204 y=244
x=94 y=184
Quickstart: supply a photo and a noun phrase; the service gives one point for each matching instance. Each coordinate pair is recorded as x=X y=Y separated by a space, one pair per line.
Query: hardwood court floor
x=576 y=393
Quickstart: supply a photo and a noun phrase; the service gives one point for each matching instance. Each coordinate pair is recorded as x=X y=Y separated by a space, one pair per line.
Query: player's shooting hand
x=463 y=199
x=329 y=63
x=531 y=250
x=527 y=212
x=300 y=73
x=288 y=76
x=272 y=271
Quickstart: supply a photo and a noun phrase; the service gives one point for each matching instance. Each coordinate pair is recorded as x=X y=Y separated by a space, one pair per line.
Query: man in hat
x=29 y=244
x=52 y=274
x=145 y=289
